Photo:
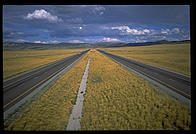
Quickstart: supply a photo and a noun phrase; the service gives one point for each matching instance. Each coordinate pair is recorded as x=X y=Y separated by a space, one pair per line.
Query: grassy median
x=175 y=57
x=116 y=99
x=15 y=62
x=51 y=111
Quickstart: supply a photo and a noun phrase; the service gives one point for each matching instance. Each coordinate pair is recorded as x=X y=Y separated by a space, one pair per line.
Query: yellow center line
x=31 y=88
x=165 y=83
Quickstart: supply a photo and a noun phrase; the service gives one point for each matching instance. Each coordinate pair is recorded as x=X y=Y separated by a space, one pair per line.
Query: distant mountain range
x=39 y=46
x=155 y=43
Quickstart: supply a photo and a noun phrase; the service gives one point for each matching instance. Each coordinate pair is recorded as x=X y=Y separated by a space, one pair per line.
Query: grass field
x=175 y=57
x=15 y=62
x=51 y=111
x=116 y=99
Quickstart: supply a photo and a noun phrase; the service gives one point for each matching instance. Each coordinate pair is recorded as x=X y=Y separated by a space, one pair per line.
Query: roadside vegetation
x=15 y=62
x=116 y=99
x=175 y=57
x=51 y=111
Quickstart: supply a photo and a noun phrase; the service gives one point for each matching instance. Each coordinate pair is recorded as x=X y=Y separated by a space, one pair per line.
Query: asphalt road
x=16 y=88
x=175 y=81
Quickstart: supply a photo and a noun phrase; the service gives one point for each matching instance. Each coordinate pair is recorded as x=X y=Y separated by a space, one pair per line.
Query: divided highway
x=175 y=81
x=16 y=88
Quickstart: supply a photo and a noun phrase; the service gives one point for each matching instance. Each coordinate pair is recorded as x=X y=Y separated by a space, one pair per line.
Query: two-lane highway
x=175 y=81
x=16 y=88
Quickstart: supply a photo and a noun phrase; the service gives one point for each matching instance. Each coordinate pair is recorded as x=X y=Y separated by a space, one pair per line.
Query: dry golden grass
x=175 y=57
x=51 y=111
x=116 y=99
x=15 y=62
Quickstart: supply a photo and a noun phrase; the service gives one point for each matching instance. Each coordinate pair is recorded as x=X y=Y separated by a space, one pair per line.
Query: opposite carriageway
x=16 y=88
x=179 y=83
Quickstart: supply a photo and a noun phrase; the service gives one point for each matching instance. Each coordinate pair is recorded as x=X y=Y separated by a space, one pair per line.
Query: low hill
x=154 y=43
x=40 y=46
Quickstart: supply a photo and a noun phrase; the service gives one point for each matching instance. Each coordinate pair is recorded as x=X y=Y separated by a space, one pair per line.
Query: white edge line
x=154 y=66
x=35 y=91
x=34 y=69
x=183 y=100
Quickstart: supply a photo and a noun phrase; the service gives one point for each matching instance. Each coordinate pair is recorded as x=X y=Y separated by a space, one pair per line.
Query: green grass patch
x=74 y=100
x=96 y=78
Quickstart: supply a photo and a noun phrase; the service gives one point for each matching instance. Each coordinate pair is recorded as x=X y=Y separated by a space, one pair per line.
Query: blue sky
x=95 y=23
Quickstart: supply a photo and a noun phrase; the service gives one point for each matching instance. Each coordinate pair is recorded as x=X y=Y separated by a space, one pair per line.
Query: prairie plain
x=115 y=99
x=15 y=62
x=174 y=57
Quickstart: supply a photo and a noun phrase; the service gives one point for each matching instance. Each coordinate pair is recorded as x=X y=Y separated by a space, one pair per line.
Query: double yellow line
x=32 y=88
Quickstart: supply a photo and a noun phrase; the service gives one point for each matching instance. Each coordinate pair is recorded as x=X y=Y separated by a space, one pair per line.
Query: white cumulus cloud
x=76 y=41
x=37 y=41
x=165 y=31
x=98 y=10
x=176 y=30
x=47 y=42
x=21 y=40
x=53 y=41
x=110 y=39
x=146 y=31
x=43 y=14
x=172 y=31
x=127 y=30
